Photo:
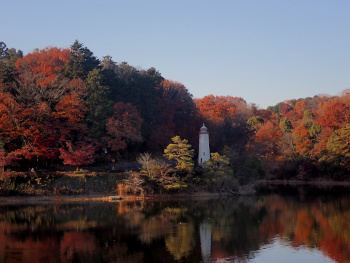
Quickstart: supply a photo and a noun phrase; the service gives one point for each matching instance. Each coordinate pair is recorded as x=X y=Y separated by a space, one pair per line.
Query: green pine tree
x=99 y=104
x=180 y=151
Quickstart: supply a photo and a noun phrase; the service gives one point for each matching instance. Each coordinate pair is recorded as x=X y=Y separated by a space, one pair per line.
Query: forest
x=65 y=106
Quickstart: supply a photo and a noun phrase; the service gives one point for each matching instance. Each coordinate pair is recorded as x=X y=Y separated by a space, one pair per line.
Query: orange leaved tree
x=124 y=127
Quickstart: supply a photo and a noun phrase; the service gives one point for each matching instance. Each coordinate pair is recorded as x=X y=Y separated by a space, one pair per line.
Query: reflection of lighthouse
x=205 y=237
x=203 y=151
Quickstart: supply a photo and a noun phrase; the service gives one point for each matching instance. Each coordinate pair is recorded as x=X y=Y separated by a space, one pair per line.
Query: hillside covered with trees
x=67 y=107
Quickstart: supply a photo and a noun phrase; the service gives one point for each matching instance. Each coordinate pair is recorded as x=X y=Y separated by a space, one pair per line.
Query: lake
x=293 y=227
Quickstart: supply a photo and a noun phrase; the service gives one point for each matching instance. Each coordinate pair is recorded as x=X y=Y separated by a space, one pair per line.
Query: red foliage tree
x=303 y=141
x=80 y=154
x=124 y=127
x=333 y=114
x=71 y=108
x=77 y=148
x=265 y=141
x=39 y=76
x=217 y=109
x=45 y=64
x=286 y=108
x=226 y=118
x=299 y=108
x=18 y=132
x=7 y=159
x=77 y=86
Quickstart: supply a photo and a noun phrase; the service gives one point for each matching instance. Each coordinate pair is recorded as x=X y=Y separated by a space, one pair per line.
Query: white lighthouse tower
x=203 y=151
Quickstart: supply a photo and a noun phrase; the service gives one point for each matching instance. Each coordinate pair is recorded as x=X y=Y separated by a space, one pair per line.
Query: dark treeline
x=66 y=106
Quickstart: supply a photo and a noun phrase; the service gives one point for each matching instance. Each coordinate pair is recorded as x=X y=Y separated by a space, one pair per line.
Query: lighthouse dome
x=203 y=128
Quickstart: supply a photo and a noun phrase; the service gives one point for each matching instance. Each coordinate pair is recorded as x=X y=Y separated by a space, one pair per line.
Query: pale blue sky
x=264 y=51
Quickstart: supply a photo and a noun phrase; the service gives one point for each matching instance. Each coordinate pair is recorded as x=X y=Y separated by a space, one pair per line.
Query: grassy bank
x=99 y=185
x=55 y=183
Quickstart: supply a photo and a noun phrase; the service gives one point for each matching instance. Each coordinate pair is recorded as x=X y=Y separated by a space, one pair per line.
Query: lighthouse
x=203 y=151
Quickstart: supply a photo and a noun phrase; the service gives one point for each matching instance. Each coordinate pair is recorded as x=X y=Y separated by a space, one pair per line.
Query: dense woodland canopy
x=66 y=106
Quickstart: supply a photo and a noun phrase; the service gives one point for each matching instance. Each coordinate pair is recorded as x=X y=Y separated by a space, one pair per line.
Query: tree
x=148 y=164
x=71 y=108
x=18 y=132
x=265 y=141
x=156 y=170
x=299 y=108
x=255 y=122
x=320 y=146
x=10 y=118
x=40 y=78
x=45 y=65
x=333 y=114
x=107 y=63
x=303 y=140
x=285 y=125
x=76 y=144
x=7 y=159
x=81 y=154
x=177 y=113
x=142 y=89
x=286 y=108
x=3 y=49
x=124 y=127
x=81 y=61
x=218 y=109
x=339 y=142
x=8 y=57
x=226 y=117
x=77 y=86
x=100 y=106
x=217 y=161
x=180 y=151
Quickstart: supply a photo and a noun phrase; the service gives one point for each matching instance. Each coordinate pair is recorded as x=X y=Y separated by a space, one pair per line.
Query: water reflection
x=263 y=229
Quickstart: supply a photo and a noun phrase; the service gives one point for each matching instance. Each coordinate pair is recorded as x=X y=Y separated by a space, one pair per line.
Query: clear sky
x=265 y=51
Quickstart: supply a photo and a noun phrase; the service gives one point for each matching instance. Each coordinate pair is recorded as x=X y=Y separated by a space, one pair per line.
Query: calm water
x=269 y=228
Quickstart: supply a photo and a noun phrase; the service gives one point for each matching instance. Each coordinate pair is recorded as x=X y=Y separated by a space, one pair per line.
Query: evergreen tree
x=98 y=102
x=81 y=62
x=8 y=57
x=140 y=88
x=180 y=151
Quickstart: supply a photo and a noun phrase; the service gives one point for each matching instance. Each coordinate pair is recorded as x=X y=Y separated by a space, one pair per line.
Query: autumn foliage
x=65 y=105
x=44 y=65
x=124 y=126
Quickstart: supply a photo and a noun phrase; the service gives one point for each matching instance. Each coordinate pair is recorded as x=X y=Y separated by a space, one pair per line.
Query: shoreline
x=111 y=197
x=319 y=183
x=99 y=197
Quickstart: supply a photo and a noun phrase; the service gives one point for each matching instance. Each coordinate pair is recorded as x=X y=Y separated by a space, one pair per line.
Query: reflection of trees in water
x=186 y=231
x=234 y=227
x=77 y=246
x=58 y=216
x=158 y=225
x=321 y=222
x=181 y=242
x=135 y=230
x=235 y=230
x=88 y=232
